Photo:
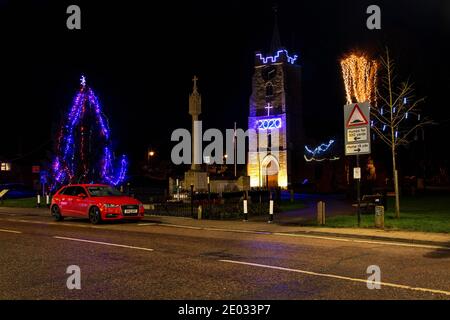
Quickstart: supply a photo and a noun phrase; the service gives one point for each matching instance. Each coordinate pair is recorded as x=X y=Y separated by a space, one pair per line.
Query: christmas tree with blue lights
x=84 y=148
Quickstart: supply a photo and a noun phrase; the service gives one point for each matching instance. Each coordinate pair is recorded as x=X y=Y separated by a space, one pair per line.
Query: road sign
x=357 y=117
x=357 y=173
x=357 y=134
x=357 y=128
x=357 y=148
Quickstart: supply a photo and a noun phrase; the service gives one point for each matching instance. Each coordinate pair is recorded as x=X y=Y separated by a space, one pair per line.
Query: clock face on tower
x=268 y=72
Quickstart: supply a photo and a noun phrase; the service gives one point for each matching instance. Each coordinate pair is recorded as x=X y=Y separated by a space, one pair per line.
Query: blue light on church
x=266 y=124
x=273 y=59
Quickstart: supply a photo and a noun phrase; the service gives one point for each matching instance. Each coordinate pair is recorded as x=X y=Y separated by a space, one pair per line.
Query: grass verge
x=20 y=203
x=420 y=213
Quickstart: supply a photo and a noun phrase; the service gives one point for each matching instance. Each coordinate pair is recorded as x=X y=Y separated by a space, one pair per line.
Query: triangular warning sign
x=356 y=118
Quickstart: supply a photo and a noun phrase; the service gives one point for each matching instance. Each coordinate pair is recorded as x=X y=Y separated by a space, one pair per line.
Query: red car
x=98 y=202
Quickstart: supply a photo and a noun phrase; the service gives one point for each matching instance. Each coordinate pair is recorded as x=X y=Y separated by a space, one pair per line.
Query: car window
x=80 y=190
x=104 y=191
x=70 y=191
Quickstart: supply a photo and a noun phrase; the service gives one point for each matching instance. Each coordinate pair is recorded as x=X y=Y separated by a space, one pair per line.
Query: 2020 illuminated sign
x=266 y=124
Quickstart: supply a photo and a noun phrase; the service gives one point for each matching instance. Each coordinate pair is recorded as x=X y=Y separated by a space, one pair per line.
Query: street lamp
x=225 y=157
x=150 y=155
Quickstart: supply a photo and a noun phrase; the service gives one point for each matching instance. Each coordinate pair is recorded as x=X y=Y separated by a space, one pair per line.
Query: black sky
x=140 y=58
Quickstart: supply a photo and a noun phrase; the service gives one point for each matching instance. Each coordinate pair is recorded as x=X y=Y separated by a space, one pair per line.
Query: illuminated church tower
x=275 y=157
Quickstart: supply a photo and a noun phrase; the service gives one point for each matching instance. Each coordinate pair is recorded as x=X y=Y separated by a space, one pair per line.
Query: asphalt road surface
x=148 y=261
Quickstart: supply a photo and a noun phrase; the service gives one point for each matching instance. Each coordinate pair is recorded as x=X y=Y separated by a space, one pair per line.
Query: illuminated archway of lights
x=317 y=154
x=84 y=148
x=360 y=77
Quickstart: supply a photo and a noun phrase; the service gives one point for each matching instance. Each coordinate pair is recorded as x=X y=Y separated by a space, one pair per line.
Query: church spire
x=275 y=45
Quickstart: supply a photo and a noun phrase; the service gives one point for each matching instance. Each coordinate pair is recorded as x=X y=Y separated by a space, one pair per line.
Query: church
x=275 y=156
x=276 y=159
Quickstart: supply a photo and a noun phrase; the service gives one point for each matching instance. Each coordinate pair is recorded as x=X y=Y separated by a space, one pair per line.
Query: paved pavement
x=336 y=205
x=158 y=260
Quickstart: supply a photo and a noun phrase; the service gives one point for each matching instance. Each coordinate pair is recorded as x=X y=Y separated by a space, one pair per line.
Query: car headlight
x=110 y=205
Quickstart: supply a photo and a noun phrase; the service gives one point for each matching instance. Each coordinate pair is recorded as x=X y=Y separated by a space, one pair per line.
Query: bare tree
x=396 y=115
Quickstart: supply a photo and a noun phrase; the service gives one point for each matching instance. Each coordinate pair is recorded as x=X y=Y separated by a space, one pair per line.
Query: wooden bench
x=370 y=201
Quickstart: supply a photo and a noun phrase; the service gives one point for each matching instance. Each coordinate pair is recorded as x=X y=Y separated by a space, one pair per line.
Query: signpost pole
x=358 y=192
x=357 y=140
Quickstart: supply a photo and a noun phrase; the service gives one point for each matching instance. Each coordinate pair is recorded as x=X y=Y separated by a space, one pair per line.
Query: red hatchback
x=98 y=202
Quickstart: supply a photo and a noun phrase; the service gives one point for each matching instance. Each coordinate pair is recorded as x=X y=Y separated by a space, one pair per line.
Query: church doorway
x=270 y=169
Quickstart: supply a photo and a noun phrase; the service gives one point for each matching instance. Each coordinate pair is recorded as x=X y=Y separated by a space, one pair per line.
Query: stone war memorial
x=197 y=178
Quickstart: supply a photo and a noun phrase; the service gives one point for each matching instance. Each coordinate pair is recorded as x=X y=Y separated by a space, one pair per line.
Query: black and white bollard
x=38 y=204
x=245 y=210
x=270 y=211
x=47 y=200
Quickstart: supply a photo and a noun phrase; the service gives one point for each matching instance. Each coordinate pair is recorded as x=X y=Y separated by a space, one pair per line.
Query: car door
x=65 y=204
x=80 y=204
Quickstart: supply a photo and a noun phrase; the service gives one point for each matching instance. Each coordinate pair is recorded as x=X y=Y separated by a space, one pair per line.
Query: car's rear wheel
x=94 y=215
x=56 y=213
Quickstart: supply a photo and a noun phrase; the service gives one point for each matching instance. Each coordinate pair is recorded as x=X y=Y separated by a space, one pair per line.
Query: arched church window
x=269 y=90
x=269 y=141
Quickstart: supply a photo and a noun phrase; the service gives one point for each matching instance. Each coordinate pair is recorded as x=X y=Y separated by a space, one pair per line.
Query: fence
x=174 y=209
x=215 y=209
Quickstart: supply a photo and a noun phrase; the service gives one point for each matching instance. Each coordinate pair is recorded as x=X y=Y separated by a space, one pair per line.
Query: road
x=150 y=261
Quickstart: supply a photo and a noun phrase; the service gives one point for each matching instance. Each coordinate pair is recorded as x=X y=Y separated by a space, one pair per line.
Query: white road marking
x=333 y=276
x=262 y=232
x=103 y=243
x=9 y=231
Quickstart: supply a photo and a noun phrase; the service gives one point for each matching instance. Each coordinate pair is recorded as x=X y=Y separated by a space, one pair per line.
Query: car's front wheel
x=56 y=213
x=94 y=215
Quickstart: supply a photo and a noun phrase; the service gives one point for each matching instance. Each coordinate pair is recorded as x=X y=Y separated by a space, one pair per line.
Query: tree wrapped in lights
x=84 y=149
x=397 y=115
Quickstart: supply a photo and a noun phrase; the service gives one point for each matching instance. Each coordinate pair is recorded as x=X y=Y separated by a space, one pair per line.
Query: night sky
x=140 y=59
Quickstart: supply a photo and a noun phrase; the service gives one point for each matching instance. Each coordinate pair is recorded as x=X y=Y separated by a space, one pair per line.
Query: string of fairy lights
x=360 y=77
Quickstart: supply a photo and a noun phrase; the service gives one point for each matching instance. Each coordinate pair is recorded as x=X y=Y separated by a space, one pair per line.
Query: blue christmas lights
x=266 y=124
x=70 y=164
x=275 y=58
x=317 y=154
